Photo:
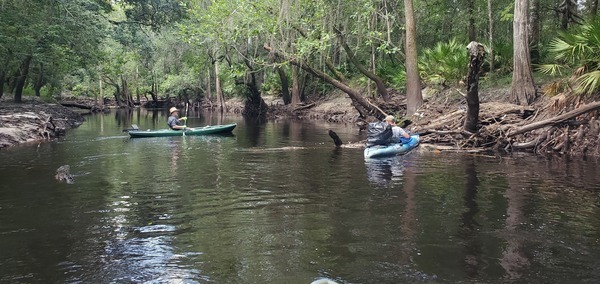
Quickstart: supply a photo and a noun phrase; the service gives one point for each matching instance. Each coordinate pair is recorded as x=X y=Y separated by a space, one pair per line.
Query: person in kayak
x=398 y=133
x=174 y=121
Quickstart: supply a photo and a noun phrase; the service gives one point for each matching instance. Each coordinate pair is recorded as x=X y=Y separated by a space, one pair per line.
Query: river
x=275 y=202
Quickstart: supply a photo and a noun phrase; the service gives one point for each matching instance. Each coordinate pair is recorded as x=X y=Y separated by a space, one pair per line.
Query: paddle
x=133 y=127
x=185 y=120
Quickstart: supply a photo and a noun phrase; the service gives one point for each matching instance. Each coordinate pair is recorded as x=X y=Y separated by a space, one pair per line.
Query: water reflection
x=383 y=172
x=252 y=209
x=469 y=227
x=175 y=146
x=514 y=260
x=409 y=223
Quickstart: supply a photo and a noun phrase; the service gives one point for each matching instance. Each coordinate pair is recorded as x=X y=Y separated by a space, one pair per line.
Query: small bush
x=446 y=63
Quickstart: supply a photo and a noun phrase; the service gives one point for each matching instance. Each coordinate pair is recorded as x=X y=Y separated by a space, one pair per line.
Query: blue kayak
x=392 y=149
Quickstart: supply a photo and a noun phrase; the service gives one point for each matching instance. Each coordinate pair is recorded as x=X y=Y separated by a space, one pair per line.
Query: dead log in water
x=336 y=139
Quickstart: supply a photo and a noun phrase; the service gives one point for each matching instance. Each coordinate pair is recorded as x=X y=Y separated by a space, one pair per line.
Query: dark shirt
x=172 y=121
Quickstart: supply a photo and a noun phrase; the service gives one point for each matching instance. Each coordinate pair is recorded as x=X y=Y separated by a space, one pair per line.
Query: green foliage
x=272 y=84
x=579 y=49
x=173 y=44
x=394 y=75
x=503 y=55
x=507 y=14
x=152 y=13
x=446 y=63
x=59 y=36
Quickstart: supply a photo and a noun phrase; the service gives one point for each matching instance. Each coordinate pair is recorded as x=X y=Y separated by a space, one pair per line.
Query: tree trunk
x=414 y=99
x=252 y=85
x=491 y=32
x=117 y=95
x=360 y=103
x=137 y=85
x=2 y=78
x=534 y=30
x=568 y=9
x=208 y=88
x=564 y=21
x=220 y=100
x=471 y=10
x=593 y=8
x=4 y=72
x=255 y=106
x=522 y=89
x=154 y=93
x=12 y=81
x=39 y=83
x=476 y=55
x=338 y=75
x=296 y=99
x=100 y=98
x=125 y=92
x=285 y=89
x=381 y=89
x=20 y=80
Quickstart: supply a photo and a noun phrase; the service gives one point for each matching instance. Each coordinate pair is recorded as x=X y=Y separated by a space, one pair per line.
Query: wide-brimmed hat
x=172 y=110
x=390 y=118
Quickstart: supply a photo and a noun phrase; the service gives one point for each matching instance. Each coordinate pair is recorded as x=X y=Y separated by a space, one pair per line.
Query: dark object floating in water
x=62 y=174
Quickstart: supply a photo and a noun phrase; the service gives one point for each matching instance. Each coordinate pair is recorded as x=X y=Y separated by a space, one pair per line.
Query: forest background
x=196 y=51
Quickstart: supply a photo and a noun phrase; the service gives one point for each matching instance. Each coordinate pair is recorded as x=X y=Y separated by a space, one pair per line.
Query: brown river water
x=275 y=202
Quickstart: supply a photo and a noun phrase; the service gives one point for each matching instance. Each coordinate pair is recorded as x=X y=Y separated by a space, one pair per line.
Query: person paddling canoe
x=399 y=133
x=174 y=121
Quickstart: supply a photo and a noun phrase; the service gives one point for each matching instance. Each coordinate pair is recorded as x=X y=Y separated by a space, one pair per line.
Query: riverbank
x=34 y=120
x=562 y=124
x=335 y=107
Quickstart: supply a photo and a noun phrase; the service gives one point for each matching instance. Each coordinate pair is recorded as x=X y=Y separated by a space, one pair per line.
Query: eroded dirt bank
x=34 y=121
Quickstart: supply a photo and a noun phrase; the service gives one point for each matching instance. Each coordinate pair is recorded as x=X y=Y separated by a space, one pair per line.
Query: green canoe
x=214 y=129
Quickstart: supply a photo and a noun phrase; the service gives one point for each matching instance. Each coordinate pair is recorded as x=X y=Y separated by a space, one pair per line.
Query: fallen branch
x=382 y=112
x=445 y=132
x=75 y=104
x=304 y=107
x=555 y=120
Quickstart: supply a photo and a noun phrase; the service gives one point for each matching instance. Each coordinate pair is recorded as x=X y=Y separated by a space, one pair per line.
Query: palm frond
x=552 y=69
x=588 y=83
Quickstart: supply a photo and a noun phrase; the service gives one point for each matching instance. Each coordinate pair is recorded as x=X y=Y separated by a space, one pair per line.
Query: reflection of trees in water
x=213 y=117
x=253 y=128
x=514 y=260
x=124 y=117
x=408 y=220
x=144 y=118
x=469 y=227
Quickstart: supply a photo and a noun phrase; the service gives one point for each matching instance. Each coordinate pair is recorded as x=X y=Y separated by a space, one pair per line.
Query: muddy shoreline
x=33 y=121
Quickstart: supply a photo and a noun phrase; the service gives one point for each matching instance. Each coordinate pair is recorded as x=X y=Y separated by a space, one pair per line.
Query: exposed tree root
x=508 y=127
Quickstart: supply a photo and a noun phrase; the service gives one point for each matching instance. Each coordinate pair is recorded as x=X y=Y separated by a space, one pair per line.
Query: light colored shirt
x=398 y=132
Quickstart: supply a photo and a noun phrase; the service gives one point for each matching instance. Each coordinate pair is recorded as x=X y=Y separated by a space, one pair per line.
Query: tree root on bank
x=508 y=127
